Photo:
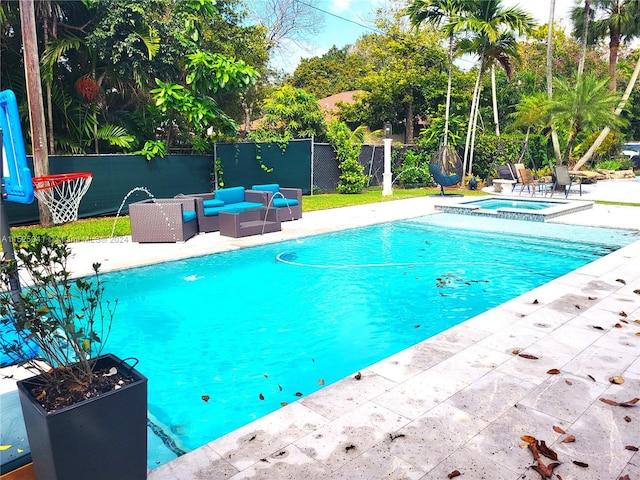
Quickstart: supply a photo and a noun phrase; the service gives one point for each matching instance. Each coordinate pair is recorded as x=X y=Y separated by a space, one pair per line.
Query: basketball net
x=62 y=194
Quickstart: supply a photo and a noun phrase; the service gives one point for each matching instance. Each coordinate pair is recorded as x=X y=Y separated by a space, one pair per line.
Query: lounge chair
x=286 y=201
x=158 y=220
x=562 y=178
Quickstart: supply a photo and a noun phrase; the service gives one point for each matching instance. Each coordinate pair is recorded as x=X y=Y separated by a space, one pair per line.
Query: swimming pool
x=516 y=208
x=227 y=338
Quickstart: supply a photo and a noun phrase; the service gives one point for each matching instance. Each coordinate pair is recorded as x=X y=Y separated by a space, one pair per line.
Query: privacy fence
x=119 y=180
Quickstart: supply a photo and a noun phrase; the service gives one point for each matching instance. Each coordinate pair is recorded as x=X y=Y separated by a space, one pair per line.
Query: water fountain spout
x=126 y=197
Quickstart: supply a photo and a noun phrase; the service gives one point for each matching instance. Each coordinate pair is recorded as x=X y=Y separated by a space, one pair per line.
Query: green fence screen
x=247 y=164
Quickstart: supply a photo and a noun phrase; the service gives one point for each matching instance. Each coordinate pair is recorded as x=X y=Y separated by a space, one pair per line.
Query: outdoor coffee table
x=248 y=222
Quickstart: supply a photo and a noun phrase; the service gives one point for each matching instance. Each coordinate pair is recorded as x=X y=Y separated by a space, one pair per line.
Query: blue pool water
x=248 y=330
x=496 y=203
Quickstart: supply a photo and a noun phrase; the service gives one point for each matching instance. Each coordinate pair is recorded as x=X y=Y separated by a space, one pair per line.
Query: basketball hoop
x=61 y=193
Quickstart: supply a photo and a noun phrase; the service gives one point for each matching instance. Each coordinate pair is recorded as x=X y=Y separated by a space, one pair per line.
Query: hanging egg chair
x=445 y=166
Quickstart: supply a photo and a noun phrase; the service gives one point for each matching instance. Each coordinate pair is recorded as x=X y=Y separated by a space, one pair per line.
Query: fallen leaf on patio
x=261 y=397
x=597 y=327
x=632 y=448
x=580 y=464
x=528 y=439
x=558 y=430
x=577 y=306
x=629 y=403
x=638 y=334
x=621 y=281
x=569 y=439
x=617 y=325
x=515 y=351
x=637 y=291
x=535 y=302
x=637 y=321
x=622 y=314
x=546 y=451
x=627 y=419
x=625 y=477
x=321 y=381
x=283 y=404
x=528 y=356
x=206 y=398
x=592 y=298
x=358 y=376
x=553 y=371
x=568 y=382
x=618 y=380
x=591 y=378
x=454 y=474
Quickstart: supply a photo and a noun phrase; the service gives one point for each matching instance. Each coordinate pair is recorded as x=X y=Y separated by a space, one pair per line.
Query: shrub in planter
x=85 y=412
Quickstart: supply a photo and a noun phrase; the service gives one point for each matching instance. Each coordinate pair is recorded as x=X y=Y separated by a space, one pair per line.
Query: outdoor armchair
x=163 y=220
x=286 y=201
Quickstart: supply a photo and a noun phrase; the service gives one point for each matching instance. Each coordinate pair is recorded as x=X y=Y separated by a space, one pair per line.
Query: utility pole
x=34 y=98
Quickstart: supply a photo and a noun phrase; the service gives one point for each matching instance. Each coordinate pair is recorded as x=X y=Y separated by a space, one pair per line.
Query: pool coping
x=458 y=401
x=563 y=207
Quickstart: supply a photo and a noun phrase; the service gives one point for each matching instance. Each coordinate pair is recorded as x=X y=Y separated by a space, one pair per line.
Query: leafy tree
x=334 y=72
x=404 y=68
x=290 y=113
x=347 y=145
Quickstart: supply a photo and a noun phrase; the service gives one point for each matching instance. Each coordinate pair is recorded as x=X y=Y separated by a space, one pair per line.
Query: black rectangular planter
x=103 y=438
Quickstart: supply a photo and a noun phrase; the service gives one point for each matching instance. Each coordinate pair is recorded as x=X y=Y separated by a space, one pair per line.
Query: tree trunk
x=605 y=131
x=554 y=133
x=34 y=96
x=494 y=98
x=585 y=33
x=467 y=143
x=614 y=45
x=408 y=116
x=448 y=101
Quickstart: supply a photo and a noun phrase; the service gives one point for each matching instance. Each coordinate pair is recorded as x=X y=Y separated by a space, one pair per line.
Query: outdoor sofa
x=232 y=199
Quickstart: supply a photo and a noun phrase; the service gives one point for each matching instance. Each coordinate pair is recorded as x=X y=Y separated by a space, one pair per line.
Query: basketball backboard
x=18 y=186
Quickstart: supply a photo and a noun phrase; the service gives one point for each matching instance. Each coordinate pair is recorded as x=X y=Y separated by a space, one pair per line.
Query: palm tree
x=583 y=104
x=605 y=131
x=490 y=27
x=554 y=133
x=440 y=13
x=613 y=19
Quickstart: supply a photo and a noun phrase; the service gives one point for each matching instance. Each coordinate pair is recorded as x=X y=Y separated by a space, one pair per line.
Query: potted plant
x=85 y=412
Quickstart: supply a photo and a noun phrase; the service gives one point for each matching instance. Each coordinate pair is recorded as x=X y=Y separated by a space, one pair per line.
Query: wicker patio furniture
x=158 y=220
x=286 y=201
x=209 y=205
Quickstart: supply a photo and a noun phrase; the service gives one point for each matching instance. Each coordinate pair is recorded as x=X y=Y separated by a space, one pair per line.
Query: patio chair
x=525 y=179
x=562 y=178
x=287 y=202
x=158 y=220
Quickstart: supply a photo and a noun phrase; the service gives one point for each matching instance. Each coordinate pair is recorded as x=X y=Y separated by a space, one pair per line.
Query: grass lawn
x=102 y=227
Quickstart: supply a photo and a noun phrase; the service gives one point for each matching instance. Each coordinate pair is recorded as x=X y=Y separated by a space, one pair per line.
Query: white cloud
x=339 y=6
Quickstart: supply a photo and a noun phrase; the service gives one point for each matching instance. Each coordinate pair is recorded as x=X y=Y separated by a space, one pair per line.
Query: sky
x=346 y=20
